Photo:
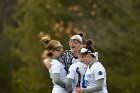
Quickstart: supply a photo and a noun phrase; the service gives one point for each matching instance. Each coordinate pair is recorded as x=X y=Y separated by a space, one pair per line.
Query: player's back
x=75 y=70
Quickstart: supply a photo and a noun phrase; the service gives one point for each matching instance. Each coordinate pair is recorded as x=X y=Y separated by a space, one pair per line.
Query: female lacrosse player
x=95 y=73
x=57 y=72
x=69 y=57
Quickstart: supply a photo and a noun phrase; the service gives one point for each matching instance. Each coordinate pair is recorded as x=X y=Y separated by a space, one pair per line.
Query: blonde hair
x=49 y=45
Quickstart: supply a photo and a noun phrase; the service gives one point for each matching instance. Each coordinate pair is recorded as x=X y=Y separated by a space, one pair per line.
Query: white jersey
x=58 y=67
x=95 y=72
x=68 y=59
x=74 y=75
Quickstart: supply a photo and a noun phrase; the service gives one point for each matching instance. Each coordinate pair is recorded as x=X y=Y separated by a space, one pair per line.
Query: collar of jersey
x=55 y=58
x=92 y=62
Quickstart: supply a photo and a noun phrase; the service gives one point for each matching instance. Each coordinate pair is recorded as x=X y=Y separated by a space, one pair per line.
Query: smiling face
x=85 y=58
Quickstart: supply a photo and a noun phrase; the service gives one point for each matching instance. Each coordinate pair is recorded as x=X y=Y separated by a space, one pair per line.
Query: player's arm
x=56 y=79
x=70 y=79
x=68 y=84
x=98 y=87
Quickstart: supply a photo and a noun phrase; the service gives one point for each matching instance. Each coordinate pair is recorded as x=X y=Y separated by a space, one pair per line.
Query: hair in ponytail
x=81 y=34
x=89 y=44
x=49 y=45
x=45 y=39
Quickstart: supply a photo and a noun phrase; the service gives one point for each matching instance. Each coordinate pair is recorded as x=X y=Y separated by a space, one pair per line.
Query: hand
x=79 y=90
x=47 y=63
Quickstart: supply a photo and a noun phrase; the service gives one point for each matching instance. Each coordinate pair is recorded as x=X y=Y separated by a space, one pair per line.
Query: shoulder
x=73 y=66
x=77 y=64
x=54 y=61
x=98 y=66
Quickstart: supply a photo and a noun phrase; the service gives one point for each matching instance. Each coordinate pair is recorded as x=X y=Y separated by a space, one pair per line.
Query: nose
x=71 y=44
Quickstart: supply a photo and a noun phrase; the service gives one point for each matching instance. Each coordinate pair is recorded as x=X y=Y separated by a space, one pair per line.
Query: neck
x=75 y=54
x=55 y=58
x=92 y=62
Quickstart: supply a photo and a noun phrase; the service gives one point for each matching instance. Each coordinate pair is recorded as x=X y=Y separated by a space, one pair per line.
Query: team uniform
x=58 y=67
x=68 y=59
x=71 y=63
x=95 y=72
x=74 y=71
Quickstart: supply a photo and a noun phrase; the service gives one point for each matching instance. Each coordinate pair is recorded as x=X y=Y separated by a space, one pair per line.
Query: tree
x=114 y=25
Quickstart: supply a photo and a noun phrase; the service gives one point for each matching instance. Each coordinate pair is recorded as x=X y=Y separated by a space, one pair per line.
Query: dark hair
x=89 y=44
x=81 y=34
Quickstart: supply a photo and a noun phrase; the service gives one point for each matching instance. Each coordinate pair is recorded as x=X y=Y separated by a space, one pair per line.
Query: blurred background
x=114 y=25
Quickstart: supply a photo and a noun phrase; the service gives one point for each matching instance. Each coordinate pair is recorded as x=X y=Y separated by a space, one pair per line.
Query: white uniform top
x=58 y=67
x=75 y=60
x=67 y=58
x=95 y=72
x=74 y=75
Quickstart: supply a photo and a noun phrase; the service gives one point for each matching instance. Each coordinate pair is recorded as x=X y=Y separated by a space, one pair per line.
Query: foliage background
x=114 y=26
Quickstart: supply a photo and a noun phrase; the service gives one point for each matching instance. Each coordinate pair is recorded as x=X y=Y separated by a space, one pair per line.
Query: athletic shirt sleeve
x=55 y=66
x=71 y=72
x=99 y=71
